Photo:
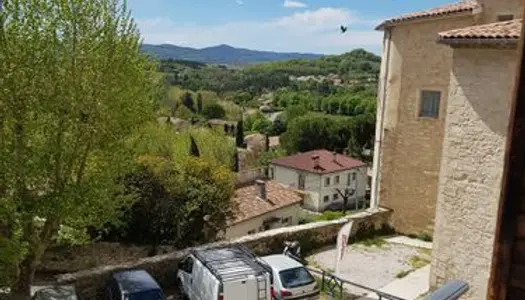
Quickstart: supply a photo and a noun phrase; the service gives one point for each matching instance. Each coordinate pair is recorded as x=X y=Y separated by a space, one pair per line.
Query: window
x=354 y=176
x=507 y=17
x=336 y=197
x=336 y=179
x=349 y=179
x=285 y=220
x=297 y=277
x=187 y=265
x=326 y=198
x=327 y=181
x=429 y=104
x=272 y=173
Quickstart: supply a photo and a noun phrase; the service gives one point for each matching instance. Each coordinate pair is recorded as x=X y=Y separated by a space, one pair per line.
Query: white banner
x=342 y=243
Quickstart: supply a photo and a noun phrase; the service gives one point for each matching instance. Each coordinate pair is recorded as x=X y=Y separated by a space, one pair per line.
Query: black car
x=133 y=285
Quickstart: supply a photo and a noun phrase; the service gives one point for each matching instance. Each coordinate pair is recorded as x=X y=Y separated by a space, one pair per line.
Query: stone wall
x=90 y=283
x=411 y=147
x=473 y=156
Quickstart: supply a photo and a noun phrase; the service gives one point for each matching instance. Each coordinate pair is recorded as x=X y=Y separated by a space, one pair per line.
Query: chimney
x=315 y=158
x=335 y=156
x=261 y=185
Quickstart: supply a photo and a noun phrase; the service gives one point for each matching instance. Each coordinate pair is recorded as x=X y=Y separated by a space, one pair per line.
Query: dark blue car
x=133 y=285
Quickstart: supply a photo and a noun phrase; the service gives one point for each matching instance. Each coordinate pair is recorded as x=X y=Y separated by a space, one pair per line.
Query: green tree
x=194 y=149
x=199 y=103
x=213 y=111
x=262 y=125
x=239 y=135
x=184 y=204
x=74 y=85
x=187 y=100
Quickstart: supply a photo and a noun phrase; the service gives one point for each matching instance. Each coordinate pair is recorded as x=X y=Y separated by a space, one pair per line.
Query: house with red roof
x=327 y=178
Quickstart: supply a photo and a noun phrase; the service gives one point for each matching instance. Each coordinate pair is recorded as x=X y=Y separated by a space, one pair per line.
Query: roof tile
x=494 y=31
x=250 y=205
x=328 y=162
x=456 y=8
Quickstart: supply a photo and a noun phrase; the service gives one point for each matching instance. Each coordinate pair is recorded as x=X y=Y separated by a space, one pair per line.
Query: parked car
x=133 y=285
x=56 y=292
x=224 y=273
x=291 y=279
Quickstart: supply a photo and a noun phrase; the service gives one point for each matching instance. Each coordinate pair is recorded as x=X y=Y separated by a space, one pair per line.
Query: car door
x=186 y=277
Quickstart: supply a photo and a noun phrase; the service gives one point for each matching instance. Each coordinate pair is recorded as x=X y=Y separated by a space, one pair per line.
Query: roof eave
x=479 y=41
x=391 y=23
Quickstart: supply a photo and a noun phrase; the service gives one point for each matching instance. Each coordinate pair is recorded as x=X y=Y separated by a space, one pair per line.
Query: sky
x=308 y=26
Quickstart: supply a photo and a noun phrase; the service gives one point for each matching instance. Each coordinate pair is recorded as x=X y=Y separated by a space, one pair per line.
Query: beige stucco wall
x=241 y=229
x=315 y=185
x=493 y=8
x=411 y=147
x=473 y=152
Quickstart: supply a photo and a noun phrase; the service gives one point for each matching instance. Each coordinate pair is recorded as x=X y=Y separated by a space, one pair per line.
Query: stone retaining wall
x=163 y=268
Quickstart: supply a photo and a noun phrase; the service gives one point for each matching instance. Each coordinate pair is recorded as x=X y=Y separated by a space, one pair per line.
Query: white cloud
x=240 y=2
x=294 y=4
x=309 y=31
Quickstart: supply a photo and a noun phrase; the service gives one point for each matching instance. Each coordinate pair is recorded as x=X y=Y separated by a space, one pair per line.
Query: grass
x=425 y=237
x=374 y=241
x=403 y=274
x=417 y=262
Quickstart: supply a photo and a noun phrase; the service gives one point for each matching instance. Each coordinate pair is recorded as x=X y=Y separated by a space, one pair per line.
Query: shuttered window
x=429 y=106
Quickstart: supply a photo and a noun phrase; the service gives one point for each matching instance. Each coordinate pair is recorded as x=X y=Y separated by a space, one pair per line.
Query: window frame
x=337 y=179
x=327 y=181
x=419 y=110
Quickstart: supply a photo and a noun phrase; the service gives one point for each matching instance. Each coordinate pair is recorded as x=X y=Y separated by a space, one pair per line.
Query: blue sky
x=277 y=25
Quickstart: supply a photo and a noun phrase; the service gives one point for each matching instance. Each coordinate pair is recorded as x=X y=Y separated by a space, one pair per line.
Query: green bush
x=213 y=111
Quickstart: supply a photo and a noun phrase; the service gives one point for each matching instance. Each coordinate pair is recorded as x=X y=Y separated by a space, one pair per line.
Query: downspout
x=374 y=201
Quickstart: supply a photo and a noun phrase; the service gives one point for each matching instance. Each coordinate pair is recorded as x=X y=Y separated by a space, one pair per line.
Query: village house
x=326 y=178
x=444 y=106
x=263 y=205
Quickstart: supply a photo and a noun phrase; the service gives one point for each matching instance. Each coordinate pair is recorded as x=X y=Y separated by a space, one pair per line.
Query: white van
x=291 y=279
x=225 y=273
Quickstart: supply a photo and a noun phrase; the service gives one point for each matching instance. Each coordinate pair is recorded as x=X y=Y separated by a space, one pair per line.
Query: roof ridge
x=444 y=10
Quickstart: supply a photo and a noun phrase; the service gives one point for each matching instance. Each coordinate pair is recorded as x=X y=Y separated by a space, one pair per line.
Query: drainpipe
x=374 y=201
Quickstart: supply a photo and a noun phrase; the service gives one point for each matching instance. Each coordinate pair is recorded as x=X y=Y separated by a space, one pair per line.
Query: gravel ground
x=370 y=266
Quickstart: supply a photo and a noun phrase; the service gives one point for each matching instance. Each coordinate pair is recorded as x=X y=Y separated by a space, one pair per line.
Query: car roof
x=280 y=262
x=135 y=281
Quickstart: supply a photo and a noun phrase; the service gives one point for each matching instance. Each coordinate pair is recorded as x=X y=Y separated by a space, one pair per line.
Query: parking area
x=373 y=263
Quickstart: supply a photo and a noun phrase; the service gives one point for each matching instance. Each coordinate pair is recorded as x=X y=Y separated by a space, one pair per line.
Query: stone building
x=415 y=86
x=447 y=83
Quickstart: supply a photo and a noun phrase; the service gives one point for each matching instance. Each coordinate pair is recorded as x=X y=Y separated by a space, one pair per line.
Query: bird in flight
x=343 y=29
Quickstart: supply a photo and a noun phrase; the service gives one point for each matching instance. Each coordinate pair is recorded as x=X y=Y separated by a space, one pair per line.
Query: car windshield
x=295 y=277
x=150 y=295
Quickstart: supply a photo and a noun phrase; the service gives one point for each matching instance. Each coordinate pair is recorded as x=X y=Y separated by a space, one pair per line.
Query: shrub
x=213 y=111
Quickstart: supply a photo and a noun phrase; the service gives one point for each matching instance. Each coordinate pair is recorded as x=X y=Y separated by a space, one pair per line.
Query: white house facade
x=325 y=177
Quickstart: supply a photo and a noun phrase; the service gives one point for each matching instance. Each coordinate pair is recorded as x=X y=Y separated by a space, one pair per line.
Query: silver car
x=291 y=280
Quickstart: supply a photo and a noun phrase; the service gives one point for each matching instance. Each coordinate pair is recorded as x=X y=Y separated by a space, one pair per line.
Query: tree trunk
x=345 y=203
x=22 y=289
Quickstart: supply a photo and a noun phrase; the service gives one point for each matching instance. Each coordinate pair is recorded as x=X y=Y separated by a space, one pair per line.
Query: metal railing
x=334 y=285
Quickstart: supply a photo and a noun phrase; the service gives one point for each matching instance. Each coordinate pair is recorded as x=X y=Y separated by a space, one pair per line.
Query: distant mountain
x=222 y=54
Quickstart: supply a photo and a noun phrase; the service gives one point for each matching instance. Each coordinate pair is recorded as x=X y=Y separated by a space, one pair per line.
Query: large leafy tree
x=73 y=85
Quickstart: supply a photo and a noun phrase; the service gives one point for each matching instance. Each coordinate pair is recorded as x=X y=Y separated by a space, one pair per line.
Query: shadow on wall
x=488 y=95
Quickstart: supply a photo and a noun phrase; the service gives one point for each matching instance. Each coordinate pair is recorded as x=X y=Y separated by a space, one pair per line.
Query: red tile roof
x=250 y=205
x=487 y=33
x=327 y=162
x=451 y=9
